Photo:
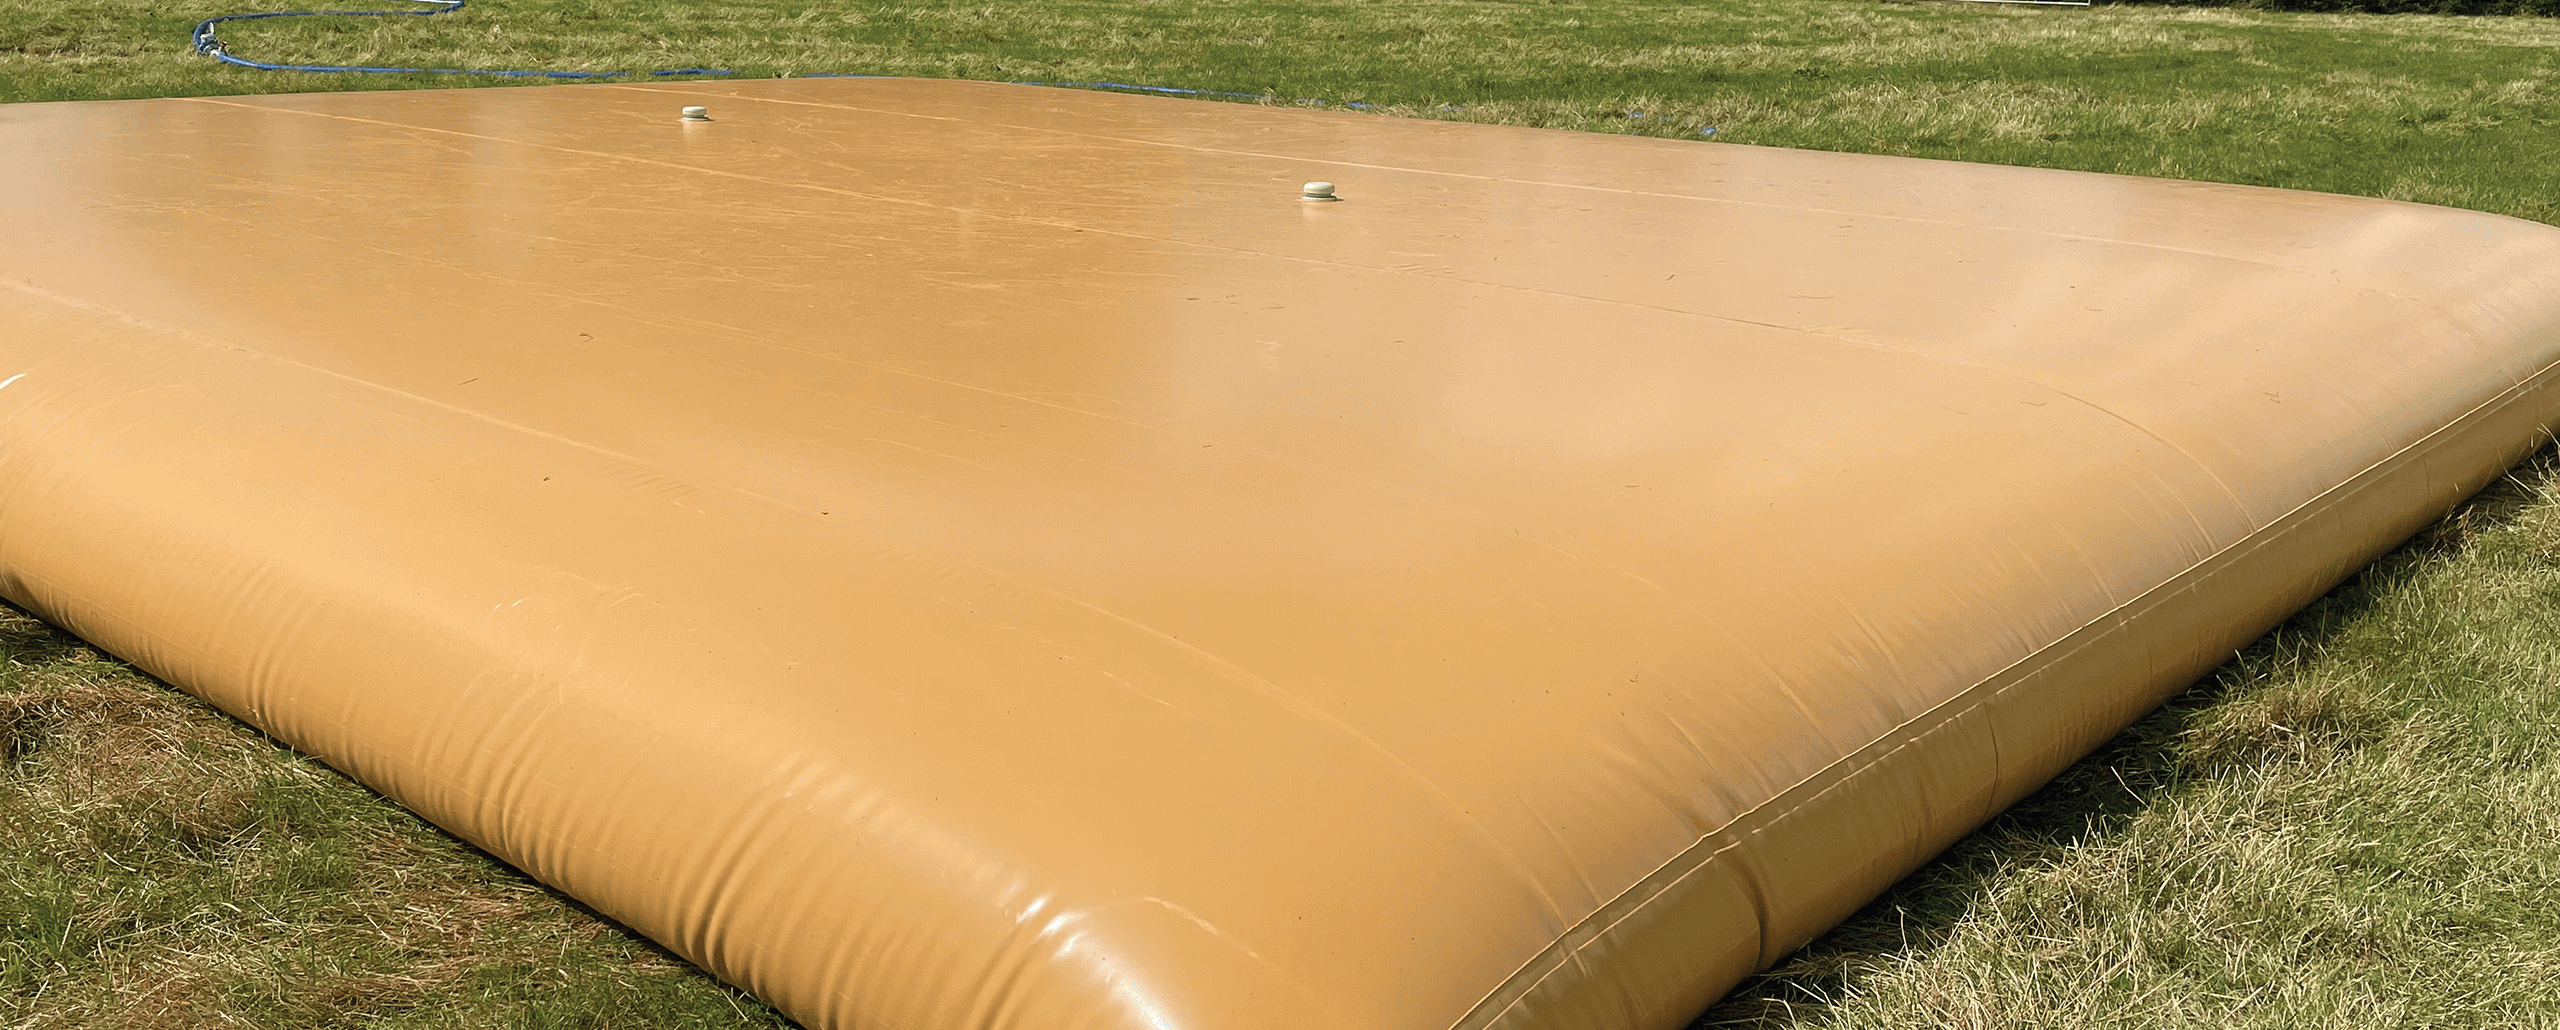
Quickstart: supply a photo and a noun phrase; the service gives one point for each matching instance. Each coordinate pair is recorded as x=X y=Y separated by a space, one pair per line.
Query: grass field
x=2355 y=824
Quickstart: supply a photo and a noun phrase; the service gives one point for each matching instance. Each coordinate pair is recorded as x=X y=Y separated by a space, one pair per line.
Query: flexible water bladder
x=955 y=554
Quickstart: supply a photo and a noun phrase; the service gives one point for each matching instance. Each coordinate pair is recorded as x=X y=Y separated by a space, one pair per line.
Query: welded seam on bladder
x=2198 y=464
x=1517 y=986
x=197 y=336
x=753 y=339
x=2228 y=493
x=2367 y=285
x=1590 y=187
x=1255 y=683
x=750 y=338
x=1053 y=223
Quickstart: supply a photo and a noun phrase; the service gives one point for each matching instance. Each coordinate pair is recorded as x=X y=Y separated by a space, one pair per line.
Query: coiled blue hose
x=208 y=44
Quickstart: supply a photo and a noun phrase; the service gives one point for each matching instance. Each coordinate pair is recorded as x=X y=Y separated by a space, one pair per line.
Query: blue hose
x=1176 y=90
x=208 y=44
x=1179 y=91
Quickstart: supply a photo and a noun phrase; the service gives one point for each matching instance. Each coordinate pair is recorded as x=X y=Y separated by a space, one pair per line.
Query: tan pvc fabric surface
x=959 y=555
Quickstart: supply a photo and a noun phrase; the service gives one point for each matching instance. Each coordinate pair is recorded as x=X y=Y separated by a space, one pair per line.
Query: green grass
x=2355 y=824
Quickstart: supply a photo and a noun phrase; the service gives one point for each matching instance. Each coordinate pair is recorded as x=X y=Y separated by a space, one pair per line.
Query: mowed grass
x=2355 y=824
